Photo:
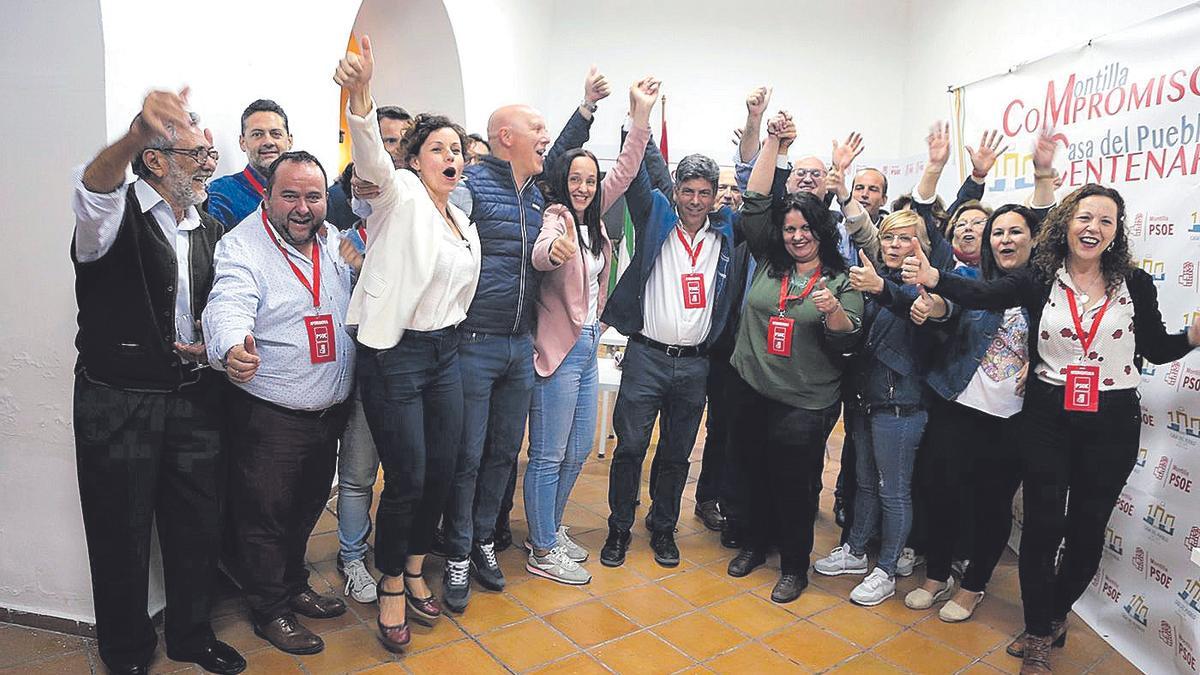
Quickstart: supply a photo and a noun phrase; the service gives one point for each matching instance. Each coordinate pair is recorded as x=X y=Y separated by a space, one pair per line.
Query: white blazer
x=404 y=235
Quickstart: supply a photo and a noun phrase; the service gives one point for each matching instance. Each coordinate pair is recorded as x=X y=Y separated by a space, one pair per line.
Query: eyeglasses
x=979 y=222
x=199 y=155
x=815 y=174
x=889 y=238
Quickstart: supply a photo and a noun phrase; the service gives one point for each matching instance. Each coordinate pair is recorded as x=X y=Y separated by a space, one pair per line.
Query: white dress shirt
x=256 y=292
x=98 y=217
x=664 y=317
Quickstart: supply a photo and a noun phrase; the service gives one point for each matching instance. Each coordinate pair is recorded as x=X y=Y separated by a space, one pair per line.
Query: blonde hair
x=898 y=219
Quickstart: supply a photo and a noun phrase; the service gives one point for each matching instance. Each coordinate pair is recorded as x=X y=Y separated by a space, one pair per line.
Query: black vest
x=126 y=303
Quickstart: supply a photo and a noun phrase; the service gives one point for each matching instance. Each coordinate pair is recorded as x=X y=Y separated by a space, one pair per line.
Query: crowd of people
x=240 y=340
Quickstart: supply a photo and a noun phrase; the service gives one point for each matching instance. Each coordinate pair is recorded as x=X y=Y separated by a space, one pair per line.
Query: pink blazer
x=562 y=300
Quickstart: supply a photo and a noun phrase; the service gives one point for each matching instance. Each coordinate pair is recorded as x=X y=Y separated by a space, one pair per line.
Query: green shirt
x=811 y=377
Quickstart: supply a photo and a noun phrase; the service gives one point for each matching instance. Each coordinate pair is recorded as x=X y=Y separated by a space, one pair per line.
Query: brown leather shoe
x=289 y=635
x=1058 y=631
x=1037 y=655
x=315 y=606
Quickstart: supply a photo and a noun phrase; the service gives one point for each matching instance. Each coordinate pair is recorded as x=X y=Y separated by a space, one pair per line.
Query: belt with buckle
x=675 y=351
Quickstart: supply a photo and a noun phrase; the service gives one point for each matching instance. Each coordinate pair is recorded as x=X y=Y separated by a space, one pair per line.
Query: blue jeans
x=886 y=444
x=497 y=385
x=652 y=383
x=413 y=398
x=358 y=467
x=562 y=424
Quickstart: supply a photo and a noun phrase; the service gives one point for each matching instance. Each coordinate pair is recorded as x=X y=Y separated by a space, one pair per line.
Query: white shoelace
x=458 y=572
x=558 y=556
x=489 y=554
x=357 y=577
x=875 y=579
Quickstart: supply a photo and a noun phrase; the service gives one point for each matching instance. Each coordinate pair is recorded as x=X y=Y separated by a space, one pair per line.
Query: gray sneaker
x=841 y=561
x=456 y=584
x=557 y=566
x=908 y=561
x=486 y=568
x=574 y=551
x=360 y=585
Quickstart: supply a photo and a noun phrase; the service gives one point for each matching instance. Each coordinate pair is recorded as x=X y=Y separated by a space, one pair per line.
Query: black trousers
x=147 y=458
x=969 y=465
x=781 y=449
x=847 y=480
x=712 y=483
x=281 y=469
x=1088 y=454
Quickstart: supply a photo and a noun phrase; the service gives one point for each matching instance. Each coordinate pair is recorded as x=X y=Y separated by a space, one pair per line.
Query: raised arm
x=1043 y=170
x=371 y=161
x=756 y=107
x=938 y=141
x=578 y=129
x=781 y=131
x=982 y=161
x=642 y=97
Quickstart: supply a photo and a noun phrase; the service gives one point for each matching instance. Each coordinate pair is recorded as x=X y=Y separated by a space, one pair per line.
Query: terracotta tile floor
x=640 y=618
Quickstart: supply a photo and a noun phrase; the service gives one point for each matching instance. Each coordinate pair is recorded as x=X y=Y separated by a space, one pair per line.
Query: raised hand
x=595 y=86
x=1022 y=377
x=938 y=141
x=864 y=278
x=844 y=154
x=363 y=189
x=917 y=270
x=824 y=299
x=642 y=97
x=922 y=307
x=354 y=70
x=1043 y=150
x=983 y=159
x=241 y=361
x=163 y=111
x=835 y=182
x=564 y=247
x=757 y=100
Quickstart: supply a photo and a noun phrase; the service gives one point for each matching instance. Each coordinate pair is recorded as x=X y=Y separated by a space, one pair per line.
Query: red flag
x=662 y=141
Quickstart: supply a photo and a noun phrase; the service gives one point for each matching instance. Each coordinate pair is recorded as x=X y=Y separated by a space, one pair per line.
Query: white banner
x=1126 y=108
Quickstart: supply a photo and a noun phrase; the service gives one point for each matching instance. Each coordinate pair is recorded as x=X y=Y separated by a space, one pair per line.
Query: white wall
x=53 y=80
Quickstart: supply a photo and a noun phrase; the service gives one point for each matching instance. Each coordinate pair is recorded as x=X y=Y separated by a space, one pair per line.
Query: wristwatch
x=590 y=107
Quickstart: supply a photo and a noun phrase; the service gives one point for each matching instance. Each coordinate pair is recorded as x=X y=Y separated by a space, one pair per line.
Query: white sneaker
x=556 y=566
x=574 y=551
x=360 y=585
x=908 y=561
x=841 y=561
x=876 y=588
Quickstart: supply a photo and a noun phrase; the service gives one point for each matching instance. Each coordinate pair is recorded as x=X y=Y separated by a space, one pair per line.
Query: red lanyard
x=362 y=234
x=1077 y=317
x=249 y=175
x=315 y=286
x=692 y=253
x=786 y=283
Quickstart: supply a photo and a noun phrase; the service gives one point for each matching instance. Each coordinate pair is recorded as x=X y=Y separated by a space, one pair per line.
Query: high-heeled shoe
x=393 y=638
x=425 y=611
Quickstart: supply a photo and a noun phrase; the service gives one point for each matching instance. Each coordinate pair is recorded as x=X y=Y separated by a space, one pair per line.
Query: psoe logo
x=1110 y=589
x=1181 y=421
x=1160 y=574
x=1191 y=379
x=1180 y=479
x=1139 y=559
x=1113 y=542
x=1190 y=595
x=1192 y=541
x=1187 y=274
x=1138 y=228
x=1172 y=376
x=1160 y=519
x=1160 y=470
x=1166 y=633
x=1185 y=652
x=1137 y=609
x=1124 y=504
x=1157 y=269
x=1159 y=226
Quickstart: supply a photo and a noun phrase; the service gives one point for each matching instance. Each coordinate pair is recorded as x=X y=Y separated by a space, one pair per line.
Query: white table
x=610 y=382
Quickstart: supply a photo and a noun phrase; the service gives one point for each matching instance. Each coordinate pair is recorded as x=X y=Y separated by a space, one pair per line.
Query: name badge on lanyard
x=779 y=328
x=692 y=284
x=322 y=347
x=1082 y=392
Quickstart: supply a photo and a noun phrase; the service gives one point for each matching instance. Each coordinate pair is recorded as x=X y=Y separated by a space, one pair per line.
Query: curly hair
x=423 y=125
x=1051 y=249
x=820 y=223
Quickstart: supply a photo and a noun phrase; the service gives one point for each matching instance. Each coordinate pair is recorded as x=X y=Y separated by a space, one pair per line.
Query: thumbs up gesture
x=823 y=298
x=864 y=278
x=354 y=70
x=917 y=270
x=241 y=361
x=565 y=246
x=922 y=307
x=595 y=86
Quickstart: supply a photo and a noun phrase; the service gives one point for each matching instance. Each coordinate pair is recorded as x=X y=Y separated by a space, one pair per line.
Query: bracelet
x=977 y=175
x=1044 y=173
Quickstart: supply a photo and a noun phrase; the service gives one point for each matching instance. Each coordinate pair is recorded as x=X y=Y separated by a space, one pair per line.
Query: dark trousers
x=968 y=464
x=847 y=480
x=146 y=458
x=506 y=502
x=652 y=381
x=281 y=469
x=711 y=484
x=497 y=388
x=1088 y=454
x=781 y=449
x=413 y=400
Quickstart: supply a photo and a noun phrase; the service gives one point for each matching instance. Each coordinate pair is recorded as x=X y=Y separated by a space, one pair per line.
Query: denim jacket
x=969 y=334
x=889 y=369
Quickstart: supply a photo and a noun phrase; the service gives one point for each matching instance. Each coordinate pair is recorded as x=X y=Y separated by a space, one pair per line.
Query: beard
x=286 y=233
x=181 y=188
